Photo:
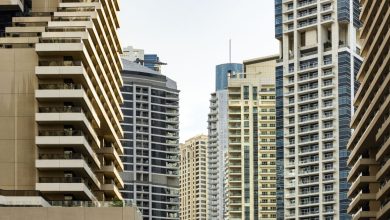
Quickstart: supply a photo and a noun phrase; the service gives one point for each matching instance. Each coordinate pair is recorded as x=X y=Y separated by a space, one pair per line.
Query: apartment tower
x=193 y=176
x=151 y=141
x=250 y=159
x=369 y=145
x=63 y=125
x=60 y=92
x=315 y=85
x=218 y=141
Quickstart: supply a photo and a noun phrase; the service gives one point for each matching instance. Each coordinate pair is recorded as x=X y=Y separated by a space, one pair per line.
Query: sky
x=192 y=36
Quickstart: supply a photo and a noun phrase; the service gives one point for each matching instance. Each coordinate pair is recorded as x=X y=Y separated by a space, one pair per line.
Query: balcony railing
x=69 y=86
x=60 y=40
x=63 y=109
x=305 y=66
x=65 y=132
x=81 y=1
x=61 y=180
x=72 y=203
x=307 y=2
x=73 y=156
x=19 y=193
x=59 y=63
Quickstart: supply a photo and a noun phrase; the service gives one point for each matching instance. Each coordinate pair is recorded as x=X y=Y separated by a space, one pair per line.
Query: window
x=246 y=92
x=303 y=39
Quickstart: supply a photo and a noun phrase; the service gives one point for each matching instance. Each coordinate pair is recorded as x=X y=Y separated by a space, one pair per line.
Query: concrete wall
x=17 y=118
x=45 y=5
x=60 y=213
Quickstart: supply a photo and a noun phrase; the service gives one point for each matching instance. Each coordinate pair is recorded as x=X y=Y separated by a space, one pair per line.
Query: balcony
x=308 y=171
x=65 y=185
x=112 y=172
x=359 y=182
x=309 y=150
x=310 y=65
x=307 y=23
x=76 y=162
x=70 y=115
x=360 y=166
x=112 y=190
x=111 y=153
x=75 y=139
x=306 y=3
x=359 y=200
x=384 y=212
x=307 y=181
x=308 y=161
x=306 y=13
x=362 y=214
x=51 y=46
x=62 y=91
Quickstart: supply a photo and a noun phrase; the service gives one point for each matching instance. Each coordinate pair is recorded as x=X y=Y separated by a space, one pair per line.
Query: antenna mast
x=230 y=51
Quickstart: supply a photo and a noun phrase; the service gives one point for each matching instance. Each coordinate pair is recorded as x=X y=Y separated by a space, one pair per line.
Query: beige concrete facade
x=60 y=97
x=193 y=178
x=74 y=213
x=315 y=87
x=250 y=165
x=369 y=145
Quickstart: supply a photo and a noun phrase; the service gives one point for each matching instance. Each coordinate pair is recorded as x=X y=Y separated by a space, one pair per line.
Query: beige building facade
x=193 y=176
x=369 y=144
x=72 y=213
x=60 y=96
x=315 y=85
x=250 y=161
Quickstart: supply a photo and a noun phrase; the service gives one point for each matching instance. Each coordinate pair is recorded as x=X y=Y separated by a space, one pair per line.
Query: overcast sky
x=192 y=36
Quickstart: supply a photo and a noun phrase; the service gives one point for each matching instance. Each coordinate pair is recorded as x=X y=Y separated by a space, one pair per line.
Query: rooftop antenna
x=230 y=51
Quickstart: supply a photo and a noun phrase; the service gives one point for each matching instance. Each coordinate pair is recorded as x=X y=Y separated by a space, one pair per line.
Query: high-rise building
x=10 y=9
x=315 y=85
x=60 y=92
x=369 y=145
x=218 y=141
x=250 y=159
x=151 y=141
x=132 y=54
x=222 y=72
x=153 y=62
x=193 y=176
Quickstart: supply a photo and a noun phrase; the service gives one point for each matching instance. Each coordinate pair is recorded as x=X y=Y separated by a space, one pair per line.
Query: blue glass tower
x=222 y=72
x=152 y=61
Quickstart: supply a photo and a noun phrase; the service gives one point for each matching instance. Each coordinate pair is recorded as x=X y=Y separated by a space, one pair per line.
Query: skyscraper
x=153 y=62
x=315 y=85
x=60 y=92
x=193 y=176
x=370 y=141
x=222 y=72
x=250 y=165
x=151 y=141
x=218 y=141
